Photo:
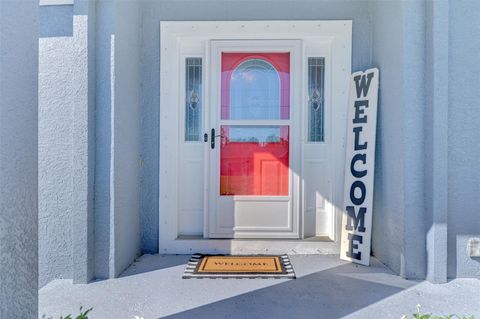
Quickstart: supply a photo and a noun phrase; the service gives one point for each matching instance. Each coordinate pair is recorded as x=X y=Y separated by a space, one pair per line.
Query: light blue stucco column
x=83 y=138
x=18 y=158
x=436 y=135
x=398 y=49
x=118 y=142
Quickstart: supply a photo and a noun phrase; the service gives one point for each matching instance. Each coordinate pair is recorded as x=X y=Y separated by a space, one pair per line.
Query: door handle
x=213 y=137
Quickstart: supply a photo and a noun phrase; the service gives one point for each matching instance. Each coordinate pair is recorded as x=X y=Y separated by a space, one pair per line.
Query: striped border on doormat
x=239 y=266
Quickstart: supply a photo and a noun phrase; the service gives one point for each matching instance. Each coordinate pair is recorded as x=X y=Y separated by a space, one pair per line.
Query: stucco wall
x=436 y=139
x=66 y=130
x=104 y=94
x=156 y=11
x=427 y=145
x=85 y=110
x=126 y=135
x=118 y=165
x=83 y=135
x=463 y=136
x=388 y=196
x=398 y=226
x=104 y=77
x=55 y=168
x=18 y=159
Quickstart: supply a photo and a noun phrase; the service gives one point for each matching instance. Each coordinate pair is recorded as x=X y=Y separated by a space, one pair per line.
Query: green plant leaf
x=83 y=315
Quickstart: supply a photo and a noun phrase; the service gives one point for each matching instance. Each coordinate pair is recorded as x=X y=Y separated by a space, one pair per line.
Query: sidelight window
x=193 y=99
x=316 y=98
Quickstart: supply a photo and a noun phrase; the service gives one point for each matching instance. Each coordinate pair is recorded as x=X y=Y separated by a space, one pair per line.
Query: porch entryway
x=252 y=133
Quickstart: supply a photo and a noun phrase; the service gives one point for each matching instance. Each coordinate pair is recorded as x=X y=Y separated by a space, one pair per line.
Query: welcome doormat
x=239 y=266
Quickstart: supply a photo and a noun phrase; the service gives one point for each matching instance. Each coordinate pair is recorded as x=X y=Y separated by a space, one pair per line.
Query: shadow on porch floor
x=326 y=288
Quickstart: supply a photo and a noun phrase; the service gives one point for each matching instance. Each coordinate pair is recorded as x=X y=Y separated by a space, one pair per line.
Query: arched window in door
x=255 y=86
x=255 y=91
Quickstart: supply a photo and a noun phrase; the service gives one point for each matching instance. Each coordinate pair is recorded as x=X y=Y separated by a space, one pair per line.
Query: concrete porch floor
x=326 y=287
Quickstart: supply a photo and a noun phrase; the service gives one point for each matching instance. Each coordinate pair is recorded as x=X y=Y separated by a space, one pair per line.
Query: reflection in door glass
x=255 y=86
x=255 y=91
x=254 y=160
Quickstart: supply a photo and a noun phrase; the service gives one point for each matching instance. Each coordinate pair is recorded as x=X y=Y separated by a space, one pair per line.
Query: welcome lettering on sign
x=359 y=167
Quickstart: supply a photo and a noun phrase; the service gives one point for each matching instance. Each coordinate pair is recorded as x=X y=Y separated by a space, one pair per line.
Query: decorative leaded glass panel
x=316 y=107
x=193 y=98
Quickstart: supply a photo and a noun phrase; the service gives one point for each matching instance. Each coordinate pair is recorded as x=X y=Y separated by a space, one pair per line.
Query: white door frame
x=180 y=39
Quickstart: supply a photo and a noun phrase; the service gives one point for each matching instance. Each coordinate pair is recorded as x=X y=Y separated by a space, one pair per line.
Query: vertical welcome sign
x=359 y=167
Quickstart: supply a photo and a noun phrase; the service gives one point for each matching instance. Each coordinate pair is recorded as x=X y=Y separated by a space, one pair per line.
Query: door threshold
x=189 y=244
x=309 y=239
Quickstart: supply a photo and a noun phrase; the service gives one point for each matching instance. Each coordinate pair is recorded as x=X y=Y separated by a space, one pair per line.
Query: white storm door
x=254 y=144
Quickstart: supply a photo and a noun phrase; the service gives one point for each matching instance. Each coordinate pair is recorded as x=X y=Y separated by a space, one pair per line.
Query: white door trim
x=180 y=39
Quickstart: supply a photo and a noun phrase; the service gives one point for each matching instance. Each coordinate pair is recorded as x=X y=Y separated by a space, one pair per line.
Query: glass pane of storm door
x=254 y=156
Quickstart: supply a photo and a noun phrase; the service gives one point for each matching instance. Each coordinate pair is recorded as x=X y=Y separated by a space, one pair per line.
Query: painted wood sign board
x=359 y=167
